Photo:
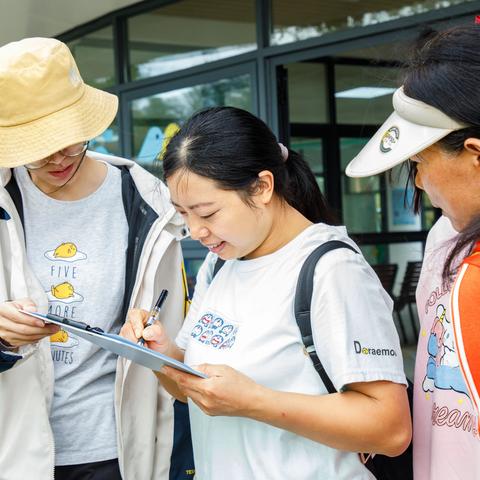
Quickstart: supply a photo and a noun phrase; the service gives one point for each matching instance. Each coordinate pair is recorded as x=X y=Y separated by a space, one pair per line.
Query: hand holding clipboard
x=116 y=344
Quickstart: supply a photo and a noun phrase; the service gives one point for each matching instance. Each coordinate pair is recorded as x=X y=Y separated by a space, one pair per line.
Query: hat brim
x=412 y=139
x=83 y=120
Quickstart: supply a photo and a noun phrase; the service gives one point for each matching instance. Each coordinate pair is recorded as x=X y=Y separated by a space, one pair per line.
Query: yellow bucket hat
x=44 y=104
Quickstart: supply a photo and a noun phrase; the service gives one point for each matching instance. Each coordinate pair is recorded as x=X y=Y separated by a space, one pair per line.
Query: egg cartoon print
x=63 y=292
x=65 y=252
x=63 y=339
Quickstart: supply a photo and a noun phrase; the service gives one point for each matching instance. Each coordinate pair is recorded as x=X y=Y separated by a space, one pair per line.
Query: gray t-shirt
x=77 y=249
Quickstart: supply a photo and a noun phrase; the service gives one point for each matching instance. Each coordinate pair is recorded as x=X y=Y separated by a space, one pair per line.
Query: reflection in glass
x=312 y=151
x=108 y=142
x=156 y=118
x=363 y=94
x=94 y=56
x=188 y=33
x=375 y=254
x=361 y=197
x=192 y=265
x=307 y=92
x=314 y=19
x=396 y=253
x=429 y=213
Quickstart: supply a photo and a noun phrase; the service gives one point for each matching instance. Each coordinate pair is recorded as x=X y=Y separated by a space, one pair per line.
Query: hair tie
x=284 y=151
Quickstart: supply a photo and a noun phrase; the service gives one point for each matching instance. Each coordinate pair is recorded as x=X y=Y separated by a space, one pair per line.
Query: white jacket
x=144 y=410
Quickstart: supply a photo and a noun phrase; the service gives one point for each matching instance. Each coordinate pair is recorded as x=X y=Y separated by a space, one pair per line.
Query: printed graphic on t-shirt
x=443 y=368
x=442 y=371
x=63 y=297
x=65 y=252
x=64 y=293
x=64 y=344
x=215 y=331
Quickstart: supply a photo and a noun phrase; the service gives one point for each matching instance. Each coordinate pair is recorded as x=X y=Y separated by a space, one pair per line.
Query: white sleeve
x=204 y=278
x=352 y=324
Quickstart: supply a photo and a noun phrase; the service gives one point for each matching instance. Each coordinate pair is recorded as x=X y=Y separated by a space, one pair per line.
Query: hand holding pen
x=154 y=313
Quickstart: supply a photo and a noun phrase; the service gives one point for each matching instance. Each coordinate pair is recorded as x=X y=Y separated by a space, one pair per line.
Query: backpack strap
x=218 y=265
x=303 y=301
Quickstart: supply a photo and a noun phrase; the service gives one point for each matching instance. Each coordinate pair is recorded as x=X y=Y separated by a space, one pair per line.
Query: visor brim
x=412 y=139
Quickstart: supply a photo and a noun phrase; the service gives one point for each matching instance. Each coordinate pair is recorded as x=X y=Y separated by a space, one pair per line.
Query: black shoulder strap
x=14 y=191
x=303 y=300
x=218 y=265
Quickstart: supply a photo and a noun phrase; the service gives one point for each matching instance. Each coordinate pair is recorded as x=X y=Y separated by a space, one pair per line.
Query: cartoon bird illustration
x=60 y=337
x=151 y=146
x=65 y=250
x=63 y=290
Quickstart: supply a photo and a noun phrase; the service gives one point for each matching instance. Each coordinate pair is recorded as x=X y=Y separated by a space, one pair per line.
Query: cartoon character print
x=63 y=339
x=63 y=292
x=205 y=337
x=197 y=330
x=214 y=331
x=218 y=323
x=216 y=340
x=226 y=330
x=443 y=369
x=65 y=252
x=228 y=343
x=206 y=319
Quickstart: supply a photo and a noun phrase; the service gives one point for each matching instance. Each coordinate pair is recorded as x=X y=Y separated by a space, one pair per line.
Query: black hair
x=231 y=146
x=444 y=71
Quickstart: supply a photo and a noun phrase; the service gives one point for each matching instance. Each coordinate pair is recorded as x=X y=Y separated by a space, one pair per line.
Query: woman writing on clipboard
x=256 y=204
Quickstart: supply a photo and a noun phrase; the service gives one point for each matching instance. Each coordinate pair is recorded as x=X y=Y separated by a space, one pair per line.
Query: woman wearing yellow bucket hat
x=436 y=128
x=84 y=236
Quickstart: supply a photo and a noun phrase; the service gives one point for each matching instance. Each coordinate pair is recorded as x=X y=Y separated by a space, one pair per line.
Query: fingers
x=154 y=333
x=10 y=311
x=18 y=341
x=18 y=329
x=24 y=330
x=211 y=370
x=128 y=333
x=137 y=318
x=185 y=381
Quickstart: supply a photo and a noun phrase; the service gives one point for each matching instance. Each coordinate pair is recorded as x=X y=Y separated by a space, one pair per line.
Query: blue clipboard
x=116 y=344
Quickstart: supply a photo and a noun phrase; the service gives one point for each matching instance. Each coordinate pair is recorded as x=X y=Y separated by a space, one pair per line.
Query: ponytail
x=303 y=192
x=231 y=146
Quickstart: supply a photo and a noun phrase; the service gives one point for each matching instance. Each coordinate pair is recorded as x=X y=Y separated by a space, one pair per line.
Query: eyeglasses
x=71 y=151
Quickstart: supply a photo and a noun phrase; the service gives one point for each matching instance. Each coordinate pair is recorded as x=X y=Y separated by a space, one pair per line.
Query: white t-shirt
x=245 y=319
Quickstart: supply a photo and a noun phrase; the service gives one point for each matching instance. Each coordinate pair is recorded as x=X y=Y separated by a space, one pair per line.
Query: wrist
x=260 y=403
x=174 y=352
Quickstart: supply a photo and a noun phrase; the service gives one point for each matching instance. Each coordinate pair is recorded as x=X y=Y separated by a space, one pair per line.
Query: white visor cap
x=411 y=128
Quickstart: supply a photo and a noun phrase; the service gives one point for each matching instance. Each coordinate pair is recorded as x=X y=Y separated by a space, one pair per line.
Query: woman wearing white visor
x=436 y=127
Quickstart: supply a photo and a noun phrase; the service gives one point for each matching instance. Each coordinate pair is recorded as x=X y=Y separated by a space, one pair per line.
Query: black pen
x=154 y=313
